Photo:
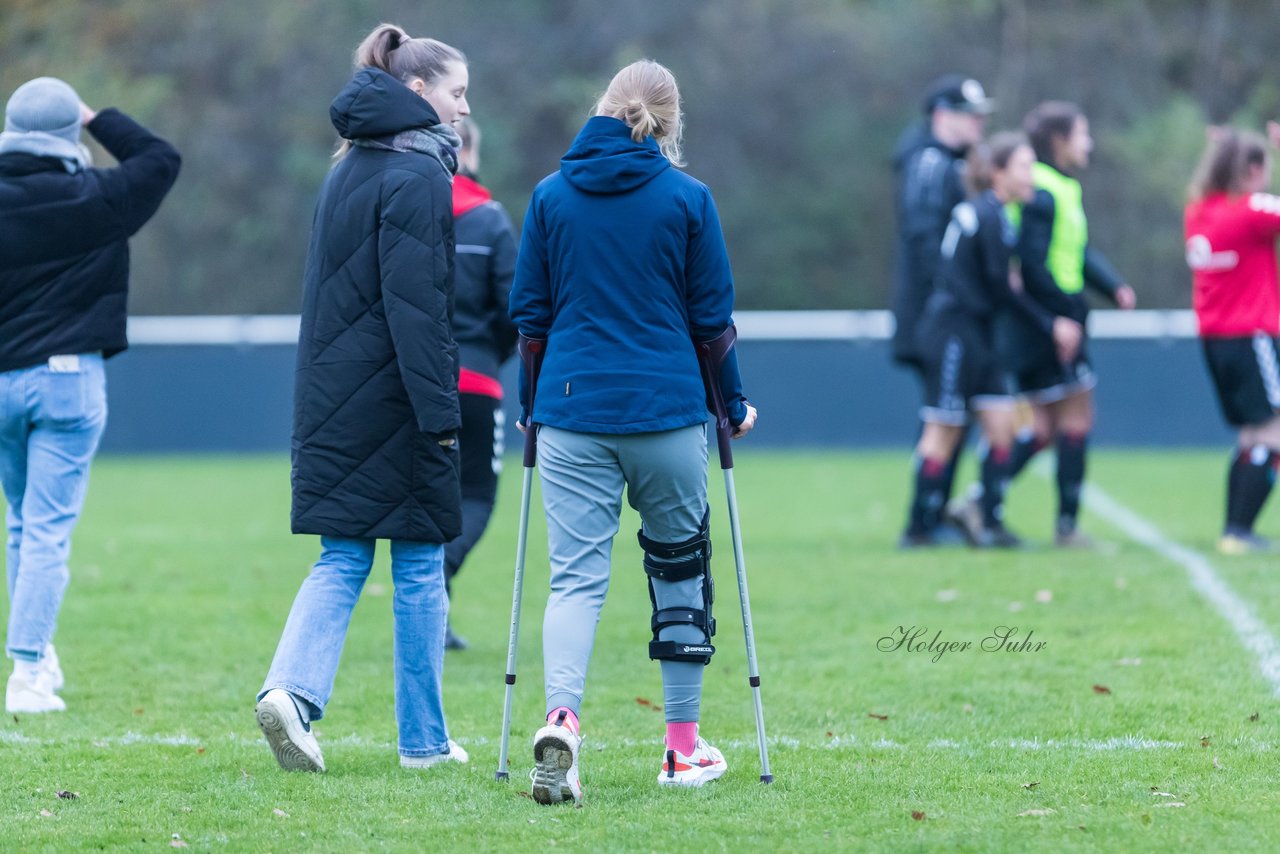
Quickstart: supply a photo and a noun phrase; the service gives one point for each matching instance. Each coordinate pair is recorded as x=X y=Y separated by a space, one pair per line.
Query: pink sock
x=682 y=736
x=570 y=719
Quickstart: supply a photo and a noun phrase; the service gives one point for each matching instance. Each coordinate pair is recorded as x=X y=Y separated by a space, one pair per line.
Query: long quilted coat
x=375 y=398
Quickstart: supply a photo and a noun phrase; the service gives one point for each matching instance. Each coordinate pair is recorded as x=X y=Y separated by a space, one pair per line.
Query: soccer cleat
x=555 y=772
x=965 y=514
x=998 y=537
x=455 y=754
x=32 y=695
x=1075 y=539
x=702 y=766
x=942 y=535
x=49 y=662
x=1236 y=543
x=289 y=736
x=452 y=641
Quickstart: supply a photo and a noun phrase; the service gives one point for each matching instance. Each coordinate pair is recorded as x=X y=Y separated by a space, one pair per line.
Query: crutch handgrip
x=711 y=356
x=531 y=351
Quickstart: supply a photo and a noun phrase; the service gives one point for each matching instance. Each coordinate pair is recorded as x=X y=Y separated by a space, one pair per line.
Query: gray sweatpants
x=582 y=479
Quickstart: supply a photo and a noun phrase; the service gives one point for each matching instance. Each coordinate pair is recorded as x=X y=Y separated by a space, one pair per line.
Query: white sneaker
x=455 y=754
x=49 y=662
x=31 y=693
x=555 y=773
x=289 y=736
x=702 y=766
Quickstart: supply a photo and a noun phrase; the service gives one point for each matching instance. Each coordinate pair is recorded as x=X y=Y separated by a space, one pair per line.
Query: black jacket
x=376 y=388
x=930 y=184
x=973 y=284
x=483 y=269
x=64 y=251
x=1024 y=343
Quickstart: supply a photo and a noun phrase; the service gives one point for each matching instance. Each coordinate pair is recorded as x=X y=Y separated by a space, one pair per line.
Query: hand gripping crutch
x=531 y=351
x=711 y=355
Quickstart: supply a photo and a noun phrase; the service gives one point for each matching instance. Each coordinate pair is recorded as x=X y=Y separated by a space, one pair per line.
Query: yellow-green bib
x=1070 y=230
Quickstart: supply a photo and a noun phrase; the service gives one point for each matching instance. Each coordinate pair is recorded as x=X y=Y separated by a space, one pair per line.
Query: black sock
x=1071 y=451
x=949 y=475
x=995 y=475
x=930 y=495
x=1248 y=484
x=1025 y=446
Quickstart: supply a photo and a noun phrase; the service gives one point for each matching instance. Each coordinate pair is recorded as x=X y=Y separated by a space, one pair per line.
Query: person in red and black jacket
x=1231 y=230
x=484 y=265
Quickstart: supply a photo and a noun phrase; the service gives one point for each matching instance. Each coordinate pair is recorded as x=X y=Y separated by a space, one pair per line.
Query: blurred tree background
x=793 y=108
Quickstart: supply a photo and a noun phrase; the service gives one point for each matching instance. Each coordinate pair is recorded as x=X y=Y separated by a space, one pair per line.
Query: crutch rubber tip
x=766 y=778
x=501 y=776
x=511 y=679
x=753 y=681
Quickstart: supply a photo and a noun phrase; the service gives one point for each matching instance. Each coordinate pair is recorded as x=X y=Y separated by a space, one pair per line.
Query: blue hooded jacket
x=622 y=266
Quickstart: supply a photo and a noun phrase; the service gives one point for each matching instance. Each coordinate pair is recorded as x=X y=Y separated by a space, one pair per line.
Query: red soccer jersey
x=1231 y=249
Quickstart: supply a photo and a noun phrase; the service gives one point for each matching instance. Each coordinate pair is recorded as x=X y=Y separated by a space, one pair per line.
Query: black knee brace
x=686 y=560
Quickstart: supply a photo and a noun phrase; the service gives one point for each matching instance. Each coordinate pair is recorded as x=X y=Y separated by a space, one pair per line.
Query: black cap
x=961 y=94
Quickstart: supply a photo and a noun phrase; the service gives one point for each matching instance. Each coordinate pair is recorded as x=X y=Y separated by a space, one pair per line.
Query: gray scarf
x=439 y=141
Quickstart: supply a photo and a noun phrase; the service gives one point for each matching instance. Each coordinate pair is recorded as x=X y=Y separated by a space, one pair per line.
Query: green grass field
x=1142 y=724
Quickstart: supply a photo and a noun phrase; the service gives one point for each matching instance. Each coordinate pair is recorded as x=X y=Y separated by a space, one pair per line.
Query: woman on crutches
x=622 y=267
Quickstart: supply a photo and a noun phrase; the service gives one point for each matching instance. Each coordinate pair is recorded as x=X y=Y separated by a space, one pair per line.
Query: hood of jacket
x=374 y=104
x=468 y=194
x=605 y=159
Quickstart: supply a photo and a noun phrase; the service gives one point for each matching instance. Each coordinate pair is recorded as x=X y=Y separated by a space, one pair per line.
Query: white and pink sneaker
x=555 y=772
x=701 y=766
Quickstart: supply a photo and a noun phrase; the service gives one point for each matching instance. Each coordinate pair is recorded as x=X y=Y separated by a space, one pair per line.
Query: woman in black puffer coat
x=376 y=405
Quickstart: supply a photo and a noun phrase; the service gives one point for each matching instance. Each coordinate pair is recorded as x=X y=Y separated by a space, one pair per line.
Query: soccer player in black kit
x=955 y=340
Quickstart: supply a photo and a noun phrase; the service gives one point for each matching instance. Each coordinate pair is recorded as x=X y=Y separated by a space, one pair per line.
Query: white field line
x=1253 y=635
x=835 y=742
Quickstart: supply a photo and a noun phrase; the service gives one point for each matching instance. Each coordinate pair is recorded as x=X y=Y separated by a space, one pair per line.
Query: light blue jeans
x=583 y=475
x=306 y=660
x=50 y=423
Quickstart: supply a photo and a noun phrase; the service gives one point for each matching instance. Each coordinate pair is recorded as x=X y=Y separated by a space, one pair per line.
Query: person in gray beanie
x=64 y=278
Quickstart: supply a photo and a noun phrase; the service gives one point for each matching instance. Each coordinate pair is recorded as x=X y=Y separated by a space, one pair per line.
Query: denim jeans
x=51 y=418
x=306 y=660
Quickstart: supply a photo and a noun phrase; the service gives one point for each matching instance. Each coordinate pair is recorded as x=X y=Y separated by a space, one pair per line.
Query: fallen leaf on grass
x=1163 y=794
x=967 y=708
x=1044 y=596
x=1171 y=804
x=1037 y=812
x=917 y=815
x=137 y=711
x=1204 y=741
x=177 y=842
x=68 y=796
x=525 y=795
x=1253 y=718
x=46 y=814
x=200 y=750
x=1101 y=689
x=246 y=774
x=1030 y=785
x=877 y=717
x=648 y=704
x=1015 y=607
x=947 y=595
x=830 y=734
x=280 y=812
x=1217 y=764
x=1129 y=662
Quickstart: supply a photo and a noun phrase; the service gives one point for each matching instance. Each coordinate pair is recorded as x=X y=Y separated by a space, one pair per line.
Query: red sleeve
x=1264 y=214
